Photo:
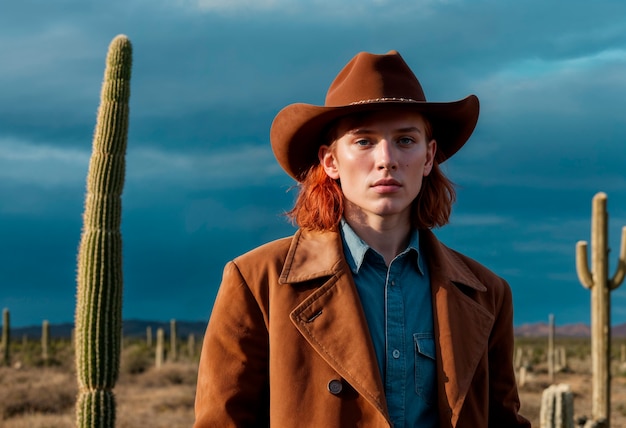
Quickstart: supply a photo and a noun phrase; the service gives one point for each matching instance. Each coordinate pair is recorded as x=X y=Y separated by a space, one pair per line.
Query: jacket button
x=335 y=386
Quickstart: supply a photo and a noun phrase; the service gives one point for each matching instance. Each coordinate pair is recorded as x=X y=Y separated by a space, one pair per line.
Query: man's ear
x=328 y=161
x=431 y=150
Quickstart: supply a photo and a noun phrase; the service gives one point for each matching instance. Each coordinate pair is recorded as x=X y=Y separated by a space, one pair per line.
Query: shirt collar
x=355 y=248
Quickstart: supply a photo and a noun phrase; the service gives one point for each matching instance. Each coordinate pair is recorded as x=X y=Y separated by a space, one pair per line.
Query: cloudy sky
x=208 y=77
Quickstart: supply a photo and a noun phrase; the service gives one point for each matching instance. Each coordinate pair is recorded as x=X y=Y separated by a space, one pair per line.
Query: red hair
x=320 y=201
x=319 y=205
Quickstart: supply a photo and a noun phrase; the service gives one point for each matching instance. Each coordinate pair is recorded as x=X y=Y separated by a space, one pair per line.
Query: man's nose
x=386 y=156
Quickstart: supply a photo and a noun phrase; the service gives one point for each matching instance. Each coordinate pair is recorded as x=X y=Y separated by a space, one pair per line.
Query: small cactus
x=173 y=341
x=557 y=407
x=159 y=351
x=149 y=337
x=6 y=337
x=551 y=350
x=191 y=346
x=45 y=341
x=561 y=360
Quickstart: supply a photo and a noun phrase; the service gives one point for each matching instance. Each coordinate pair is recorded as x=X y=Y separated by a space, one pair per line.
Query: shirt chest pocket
x=425 y=368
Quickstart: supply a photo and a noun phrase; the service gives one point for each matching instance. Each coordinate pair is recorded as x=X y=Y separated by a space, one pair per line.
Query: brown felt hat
x=368 y=82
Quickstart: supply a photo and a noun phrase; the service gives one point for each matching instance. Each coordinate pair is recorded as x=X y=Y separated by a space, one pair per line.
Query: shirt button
x=335 y=386
x=393 y=283
x=396 y=353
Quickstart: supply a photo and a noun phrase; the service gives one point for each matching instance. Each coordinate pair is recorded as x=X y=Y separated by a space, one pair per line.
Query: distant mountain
x=568 y=330
x=137 y=328
x=540 y=329
x=130 y=328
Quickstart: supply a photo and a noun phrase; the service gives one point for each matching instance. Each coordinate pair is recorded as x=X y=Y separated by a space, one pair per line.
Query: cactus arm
x=621 y=264
x=582 y=265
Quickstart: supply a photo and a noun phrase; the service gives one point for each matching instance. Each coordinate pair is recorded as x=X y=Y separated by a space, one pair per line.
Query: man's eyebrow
x=365 y=131
x=409 y=130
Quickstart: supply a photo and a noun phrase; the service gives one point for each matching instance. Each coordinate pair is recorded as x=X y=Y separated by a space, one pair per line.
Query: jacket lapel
x=462 y=325
x=331 y=319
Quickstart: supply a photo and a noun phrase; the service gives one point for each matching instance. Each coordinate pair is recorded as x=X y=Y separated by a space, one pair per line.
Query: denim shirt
x=397 y=303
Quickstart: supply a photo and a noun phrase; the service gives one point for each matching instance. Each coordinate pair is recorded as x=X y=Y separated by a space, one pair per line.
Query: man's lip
x=386 y=182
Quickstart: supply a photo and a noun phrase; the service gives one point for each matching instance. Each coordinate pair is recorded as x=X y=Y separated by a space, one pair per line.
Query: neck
x=389 y=236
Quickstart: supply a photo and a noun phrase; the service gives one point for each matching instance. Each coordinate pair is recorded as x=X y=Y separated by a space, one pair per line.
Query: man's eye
x=405 y=141
x=362 y=142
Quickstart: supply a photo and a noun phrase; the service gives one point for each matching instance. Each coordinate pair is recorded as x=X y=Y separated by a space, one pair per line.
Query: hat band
x=385 y=99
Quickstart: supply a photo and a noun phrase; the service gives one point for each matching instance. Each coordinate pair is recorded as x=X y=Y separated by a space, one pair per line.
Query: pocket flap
x=425 y=344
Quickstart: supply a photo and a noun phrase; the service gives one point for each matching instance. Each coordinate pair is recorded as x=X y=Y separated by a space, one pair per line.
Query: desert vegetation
x=38 y=392
x=575 y=370
x=41 y=393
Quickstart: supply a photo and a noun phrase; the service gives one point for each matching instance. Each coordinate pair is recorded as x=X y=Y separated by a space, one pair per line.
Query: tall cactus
x=100 y=279
x=6 y=337
x=598 y=281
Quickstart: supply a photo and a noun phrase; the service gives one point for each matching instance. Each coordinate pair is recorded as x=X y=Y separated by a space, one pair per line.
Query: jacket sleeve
x=504 y=398
x=232 y=388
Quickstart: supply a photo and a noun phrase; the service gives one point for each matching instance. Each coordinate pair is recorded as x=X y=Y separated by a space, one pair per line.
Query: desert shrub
x=50 y=392
x=136 y=358
x=38 y=420
x=27 y=353
x=169 y=374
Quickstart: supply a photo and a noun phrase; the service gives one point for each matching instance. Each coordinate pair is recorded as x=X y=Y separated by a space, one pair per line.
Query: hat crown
x=374 y=78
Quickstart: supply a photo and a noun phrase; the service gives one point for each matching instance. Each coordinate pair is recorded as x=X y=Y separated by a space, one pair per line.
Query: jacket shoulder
x=276 y=249
x=479 y=269
x=463 y=263
x=263 y=262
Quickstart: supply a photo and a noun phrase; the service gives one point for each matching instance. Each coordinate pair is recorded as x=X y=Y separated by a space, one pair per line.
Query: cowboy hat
x=368 y=82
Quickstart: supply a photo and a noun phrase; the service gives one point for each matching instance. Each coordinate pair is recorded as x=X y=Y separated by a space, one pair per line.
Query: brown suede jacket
x=288 y=345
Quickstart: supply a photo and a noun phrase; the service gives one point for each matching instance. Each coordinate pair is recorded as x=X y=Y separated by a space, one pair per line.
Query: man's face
x=380 y=160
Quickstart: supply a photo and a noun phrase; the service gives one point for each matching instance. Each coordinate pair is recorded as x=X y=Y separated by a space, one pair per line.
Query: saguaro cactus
x=191 y=346
x=159 y=352
x=45 y=341
x=173 y=341
x=598 y=281
x=100 y=280
x=6 y=337
x=149 y=337
x=557 y=407
x=551 y=352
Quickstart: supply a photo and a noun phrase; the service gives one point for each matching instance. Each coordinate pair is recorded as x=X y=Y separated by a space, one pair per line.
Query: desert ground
x=40 y=394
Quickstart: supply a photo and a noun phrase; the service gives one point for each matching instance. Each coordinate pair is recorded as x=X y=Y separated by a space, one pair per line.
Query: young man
x=363 y=318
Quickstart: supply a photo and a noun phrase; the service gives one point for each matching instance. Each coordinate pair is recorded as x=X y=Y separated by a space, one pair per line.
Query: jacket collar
x=312 y=255
x=315 y=254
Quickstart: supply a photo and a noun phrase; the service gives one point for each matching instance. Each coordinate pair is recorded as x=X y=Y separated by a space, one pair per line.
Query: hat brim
x=298 y=130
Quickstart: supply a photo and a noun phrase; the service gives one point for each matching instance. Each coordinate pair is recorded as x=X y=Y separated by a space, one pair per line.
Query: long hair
x=320 y=201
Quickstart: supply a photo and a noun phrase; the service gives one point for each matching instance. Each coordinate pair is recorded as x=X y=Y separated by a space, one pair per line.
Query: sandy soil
x=34 y=397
